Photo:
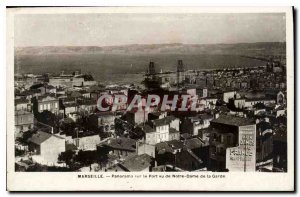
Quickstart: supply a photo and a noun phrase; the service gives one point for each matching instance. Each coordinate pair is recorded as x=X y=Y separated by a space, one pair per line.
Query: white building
x=229 y=95
x=48 y=103
x=46 y=147
x=158 y=130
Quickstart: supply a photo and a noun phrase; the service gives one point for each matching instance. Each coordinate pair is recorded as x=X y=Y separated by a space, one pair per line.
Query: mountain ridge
x=166 y=48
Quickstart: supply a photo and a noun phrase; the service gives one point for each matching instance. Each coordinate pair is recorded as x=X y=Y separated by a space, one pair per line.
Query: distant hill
x=249 y=49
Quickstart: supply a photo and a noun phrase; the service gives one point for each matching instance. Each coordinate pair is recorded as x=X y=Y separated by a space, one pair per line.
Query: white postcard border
x=69 y=181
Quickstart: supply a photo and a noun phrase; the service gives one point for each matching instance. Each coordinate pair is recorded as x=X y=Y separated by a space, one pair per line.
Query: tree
x=68 y=128
x=86 y=157
x=26 y=135
x=67 y=157
x=259 y=106
x=49 y=118
x=102 y=154
x=137 y=134
x=19 y=152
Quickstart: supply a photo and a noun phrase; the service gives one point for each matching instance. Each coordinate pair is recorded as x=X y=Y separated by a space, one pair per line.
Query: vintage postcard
x=150 y=99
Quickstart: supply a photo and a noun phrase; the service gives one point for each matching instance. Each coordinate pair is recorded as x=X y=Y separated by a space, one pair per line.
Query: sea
x=125 y=69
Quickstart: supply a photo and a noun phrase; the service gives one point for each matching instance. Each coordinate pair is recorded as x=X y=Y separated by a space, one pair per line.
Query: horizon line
x=172 y=43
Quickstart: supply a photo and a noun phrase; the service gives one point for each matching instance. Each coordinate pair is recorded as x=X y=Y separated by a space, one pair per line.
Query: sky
x=122 y=29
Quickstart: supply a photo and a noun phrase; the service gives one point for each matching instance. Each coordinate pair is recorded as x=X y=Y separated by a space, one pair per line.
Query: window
x=45 y=107
x=228 y=140
x=41 y=107
x=112 y=127
x=49 y=106
x=56 y=106
x=200 y=133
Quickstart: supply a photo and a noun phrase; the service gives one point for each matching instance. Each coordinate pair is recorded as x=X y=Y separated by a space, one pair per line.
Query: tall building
x=233 y=144
x=151 y=70
x=180 y=72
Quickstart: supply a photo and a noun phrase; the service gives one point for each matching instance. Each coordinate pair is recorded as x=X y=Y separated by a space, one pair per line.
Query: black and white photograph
x=184 y=94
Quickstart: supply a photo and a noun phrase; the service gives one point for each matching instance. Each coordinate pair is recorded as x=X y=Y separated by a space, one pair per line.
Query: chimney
x=217 y=115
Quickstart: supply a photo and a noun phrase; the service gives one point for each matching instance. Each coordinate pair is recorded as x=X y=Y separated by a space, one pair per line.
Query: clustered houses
x=23 y=122
x=239 y=121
